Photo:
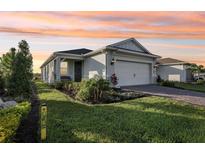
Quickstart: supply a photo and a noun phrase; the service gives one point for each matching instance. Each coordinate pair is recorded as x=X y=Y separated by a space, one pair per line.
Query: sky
x=179 y=35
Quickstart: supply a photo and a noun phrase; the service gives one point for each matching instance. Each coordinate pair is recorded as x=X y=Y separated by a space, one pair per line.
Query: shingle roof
x=169 y=61
x=76 y=51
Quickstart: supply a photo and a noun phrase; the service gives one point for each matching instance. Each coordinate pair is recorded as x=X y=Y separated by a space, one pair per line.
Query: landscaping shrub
x=200 y=82
x=92 y=90
x=71 y=88
x=168 y=83
x=57 y=85
x=10 y=119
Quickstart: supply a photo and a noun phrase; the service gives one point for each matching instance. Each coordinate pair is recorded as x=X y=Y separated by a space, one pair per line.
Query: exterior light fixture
x=113 y=61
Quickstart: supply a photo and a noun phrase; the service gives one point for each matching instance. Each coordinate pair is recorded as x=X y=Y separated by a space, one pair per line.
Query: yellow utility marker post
x=43 y=121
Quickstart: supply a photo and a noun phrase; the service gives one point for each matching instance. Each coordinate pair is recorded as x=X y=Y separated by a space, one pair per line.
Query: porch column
x=57 y=70
x=41 y=73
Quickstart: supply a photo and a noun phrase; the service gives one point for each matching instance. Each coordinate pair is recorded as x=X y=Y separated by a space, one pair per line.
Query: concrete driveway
x=177 y=94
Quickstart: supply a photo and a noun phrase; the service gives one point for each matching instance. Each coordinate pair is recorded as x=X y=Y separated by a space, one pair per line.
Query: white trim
x=128 y=40
x=67 y=54
x=132 y=52
x=70 y=57
x=132 y=61
x=180 y=63
x=100 y=50
x=121 y=42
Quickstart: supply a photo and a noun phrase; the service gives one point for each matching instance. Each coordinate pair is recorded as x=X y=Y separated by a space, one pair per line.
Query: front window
x=64 y=68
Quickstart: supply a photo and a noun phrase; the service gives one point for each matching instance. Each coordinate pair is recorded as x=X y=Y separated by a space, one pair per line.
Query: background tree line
x=16 y=71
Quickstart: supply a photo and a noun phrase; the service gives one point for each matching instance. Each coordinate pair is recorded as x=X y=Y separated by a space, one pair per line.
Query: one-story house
x=173 y=70
x=132 y=63
x=199 y=76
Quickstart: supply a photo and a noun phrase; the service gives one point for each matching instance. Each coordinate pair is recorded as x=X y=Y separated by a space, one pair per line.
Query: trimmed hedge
x=10 y=119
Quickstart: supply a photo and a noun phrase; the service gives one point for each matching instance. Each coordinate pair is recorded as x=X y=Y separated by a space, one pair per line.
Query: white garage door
x=131 y=73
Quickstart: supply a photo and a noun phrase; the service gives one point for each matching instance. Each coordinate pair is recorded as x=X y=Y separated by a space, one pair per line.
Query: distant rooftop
x=76 y=51
x=169 y=61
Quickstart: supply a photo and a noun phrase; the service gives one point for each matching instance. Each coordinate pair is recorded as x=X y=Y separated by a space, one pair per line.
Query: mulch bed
x=28 y=131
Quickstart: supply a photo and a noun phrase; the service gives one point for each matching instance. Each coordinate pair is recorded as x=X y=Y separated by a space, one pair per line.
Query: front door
x=78 y=71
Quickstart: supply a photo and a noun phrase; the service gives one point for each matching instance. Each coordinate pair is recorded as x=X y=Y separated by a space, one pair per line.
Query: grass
x=10 y=119
x=189 y=86
x=148 y=119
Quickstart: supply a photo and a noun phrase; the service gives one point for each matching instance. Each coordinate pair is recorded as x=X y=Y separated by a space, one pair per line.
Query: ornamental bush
x=71 y=88
x=92 y=90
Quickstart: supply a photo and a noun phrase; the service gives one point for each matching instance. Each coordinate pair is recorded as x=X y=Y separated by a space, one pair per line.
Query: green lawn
x=148 y=119
x=10 y=119
x=189 y=86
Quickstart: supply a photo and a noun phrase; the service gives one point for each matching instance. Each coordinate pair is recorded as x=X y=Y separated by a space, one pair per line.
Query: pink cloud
x=182 y=25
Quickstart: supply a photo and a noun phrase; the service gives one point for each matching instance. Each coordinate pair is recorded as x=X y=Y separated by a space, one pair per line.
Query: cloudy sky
x=178 y=35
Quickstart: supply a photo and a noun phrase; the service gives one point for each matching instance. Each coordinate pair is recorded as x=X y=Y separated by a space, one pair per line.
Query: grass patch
x=148 y=119
x=10 y=119
x=189 y=86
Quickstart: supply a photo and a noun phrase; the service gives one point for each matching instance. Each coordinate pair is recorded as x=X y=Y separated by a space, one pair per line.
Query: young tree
x=6 y=67
x=7 y=62
x=20 y=83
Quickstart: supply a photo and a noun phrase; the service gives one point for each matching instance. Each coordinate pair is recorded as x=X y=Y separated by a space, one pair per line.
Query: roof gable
x=130 y=44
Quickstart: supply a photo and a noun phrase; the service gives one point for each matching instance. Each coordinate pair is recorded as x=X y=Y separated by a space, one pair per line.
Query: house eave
x=181 y=63
x=120 y=50
x=132 y=52
x=70 y=56
x=100 y=50
x=62 y=55
x=51 y=57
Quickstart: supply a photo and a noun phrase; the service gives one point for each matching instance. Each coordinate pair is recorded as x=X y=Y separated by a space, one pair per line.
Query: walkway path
x=29 y=127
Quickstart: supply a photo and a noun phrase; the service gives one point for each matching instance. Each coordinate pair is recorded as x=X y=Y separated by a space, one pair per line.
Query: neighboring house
x=173 y=70
x=199 y=76
x=132 y=63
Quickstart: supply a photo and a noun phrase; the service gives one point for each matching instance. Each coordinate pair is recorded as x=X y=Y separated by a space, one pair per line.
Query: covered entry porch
x=63 y=67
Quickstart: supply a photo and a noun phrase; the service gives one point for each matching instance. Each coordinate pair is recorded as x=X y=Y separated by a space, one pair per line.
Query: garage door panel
x=132 y=73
